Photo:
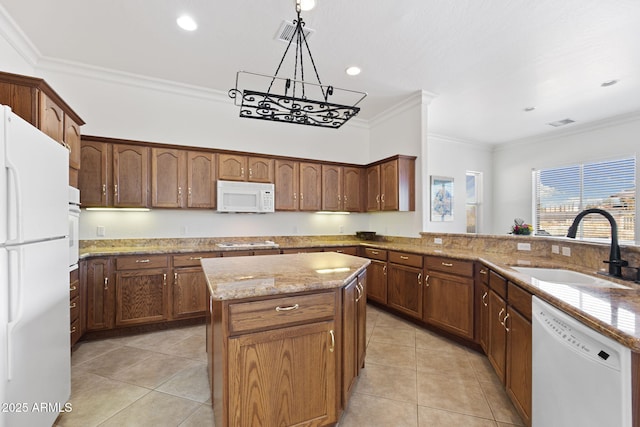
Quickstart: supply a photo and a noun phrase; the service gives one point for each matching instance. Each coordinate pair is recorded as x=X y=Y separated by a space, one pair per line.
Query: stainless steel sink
x=566 y=277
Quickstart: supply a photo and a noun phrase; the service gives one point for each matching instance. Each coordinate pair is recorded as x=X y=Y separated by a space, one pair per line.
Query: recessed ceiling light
x=307 y=4
x=353 y=71
x=561 y=122
x=609 y=83
x=187 y=23
x=529 y=109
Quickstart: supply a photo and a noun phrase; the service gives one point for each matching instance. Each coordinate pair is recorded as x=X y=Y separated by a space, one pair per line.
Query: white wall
x=513 y=162
x=453 y=158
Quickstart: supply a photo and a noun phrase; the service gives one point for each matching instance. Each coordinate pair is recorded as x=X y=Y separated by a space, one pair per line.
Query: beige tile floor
x=412 y=378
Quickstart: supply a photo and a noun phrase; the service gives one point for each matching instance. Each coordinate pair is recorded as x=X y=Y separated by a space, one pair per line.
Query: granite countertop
x=614 y=312
x=236 y=277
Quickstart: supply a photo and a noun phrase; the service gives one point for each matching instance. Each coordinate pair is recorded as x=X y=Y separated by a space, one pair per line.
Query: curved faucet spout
x=615 y=262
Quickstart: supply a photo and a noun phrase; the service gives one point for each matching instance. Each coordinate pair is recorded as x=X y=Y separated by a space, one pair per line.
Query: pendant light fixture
x=292 y=99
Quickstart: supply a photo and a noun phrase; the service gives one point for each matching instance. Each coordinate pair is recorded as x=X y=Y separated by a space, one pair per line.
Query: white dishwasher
x=580 y=377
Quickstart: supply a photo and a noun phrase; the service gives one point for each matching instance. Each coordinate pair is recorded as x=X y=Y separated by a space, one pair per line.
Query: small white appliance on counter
x=580 y=377
x=240 y=196
x=35 y=371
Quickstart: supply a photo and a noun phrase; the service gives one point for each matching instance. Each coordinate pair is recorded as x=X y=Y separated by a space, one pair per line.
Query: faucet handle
x=618 y=262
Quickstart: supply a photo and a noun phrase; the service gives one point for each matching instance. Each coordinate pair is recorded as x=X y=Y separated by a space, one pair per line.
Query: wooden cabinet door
x=377 y=283
x=361 y=302
x=141 y=296
x=448 y=303
x=100 y=294
x=72 y=142
x=95 y=174
x=310 y=187
x=389 y=186
x=519 y=365
x=189 y=292
x=350 y=295
x=283 y=377
x=497 y=334
x=130 y=176
x=332 y=188
x=373 y=188
x=201 y=180
x=353 y=189
x=260 y=169
x=168 y=178
x=232 y=167
x=287 y=178
x=51 y=118
x=404 y=289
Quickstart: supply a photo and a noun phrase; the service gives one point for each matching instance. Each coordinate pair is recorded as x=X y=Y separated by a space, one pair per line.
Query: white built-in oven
x=74 y=226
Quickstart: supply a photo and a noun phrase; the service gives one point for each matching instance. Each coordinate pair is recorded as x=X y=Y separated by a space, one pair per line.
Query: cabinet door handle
x=164 y=279
x=142 y=261
x=500 y=314
x=115 y=190
x=73 y=288
x=338 y=197
x=426 y=280
x=384 y=269
x=377 y=198
x=74 y=305
x=195 y=258
x=301 y=196
x=104 y=189
x=483 y=297
x=242 y=171
x=404 y=257
x=375 y=252
x=483 y=271
x=447 y=264
x=295 y=196
x=72 y=330
x=250 y=172
x=419 y=278
x=175 y=279
x=106 y=283
x=359 y=292
x=382 y=198
x=333 y=341
x=289 y=308
x=504 y=323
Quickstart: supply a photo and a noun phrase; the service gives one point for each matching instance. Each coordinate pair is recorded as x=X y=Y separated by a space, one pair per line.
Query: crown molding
x=474 y=145
x=12 y=33
x=418 y=98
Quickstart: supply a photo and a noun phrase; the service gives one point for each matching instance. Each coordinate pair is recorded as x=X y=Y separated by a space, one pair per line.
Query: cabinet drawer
x=280 y=312
x=498 y=284
x=74 y=284
x=237 y=253
x=482 y=273
x=192 y=260
x=75 y=331
x=266 y=252
x=449 y=265
x=142 y=261
x=349 y=250
x=74 y=308
x=379 y=254
x=519 y=299
x=413 y=260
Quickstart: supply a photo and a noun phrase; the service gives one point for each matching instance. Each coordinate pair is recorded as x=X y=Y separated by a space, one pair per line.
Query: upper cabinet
x=114 y=175
x=201 y=179
x=36 y=102
x=391 y=185
x=310 y=186
x=298 y=186
x=233 y=167
x=342 y=188
x=168 y=178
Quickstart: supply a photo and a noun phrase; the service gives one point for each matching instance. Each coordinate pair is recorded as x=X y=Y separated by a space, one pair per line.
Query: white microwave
x=238 y=196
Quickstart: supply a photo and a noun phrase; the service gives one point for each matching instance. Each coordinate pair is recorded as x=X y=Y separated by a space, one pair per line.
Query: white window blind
x=561 y=193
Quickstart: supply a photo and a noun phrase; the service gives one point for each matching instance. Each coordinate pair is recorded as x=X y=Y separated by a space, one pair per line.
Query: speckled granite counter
x=235 y=278
x=613 y=312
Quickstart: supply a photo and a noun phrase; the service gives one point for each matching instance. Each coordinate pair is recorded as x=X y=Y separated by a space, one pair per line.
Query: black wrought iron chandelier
x=294 y=100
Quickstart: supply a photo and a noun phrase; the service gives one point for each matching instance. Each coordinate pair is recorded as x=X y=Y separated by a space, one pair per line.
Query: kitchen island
x=285 y=336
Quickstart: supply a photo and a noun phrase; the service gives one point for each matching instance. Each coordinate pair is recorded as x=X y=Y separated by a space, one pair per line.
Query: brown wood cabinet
x=189 y=291
x=75 y=306
x=114 y=174
x=98 y=278
x=354 y=306
x=201 y=179
x=168 y=178
x=310 y=187
x=36 y=102
x=448 y=296
x=376 y=274
x=391 y=185
x=236 y=167
x=298 y=186
x=142 y=293
x=497 y=346
x=404 y=283
x=284 y=363
x=482 y=306
x=341 y=188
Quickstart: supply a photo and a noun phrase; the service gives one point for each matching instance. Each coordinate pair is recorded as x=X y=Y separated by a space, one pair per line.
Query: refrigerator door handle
x=15 y=302
x=13 y=205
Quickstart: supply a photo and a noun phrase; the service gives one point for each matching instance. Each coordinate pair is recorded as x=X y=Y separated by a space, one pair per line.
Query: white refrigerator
x=35 y=370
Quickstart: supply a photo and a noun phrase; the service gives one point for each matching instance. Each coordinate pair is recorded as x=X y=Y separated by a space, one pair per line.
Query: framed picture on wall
x=441 y=198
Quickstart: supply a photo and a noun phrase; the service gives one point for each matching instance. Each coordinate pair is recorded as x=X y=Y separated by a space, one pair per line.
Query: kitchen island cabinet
x=275 y=337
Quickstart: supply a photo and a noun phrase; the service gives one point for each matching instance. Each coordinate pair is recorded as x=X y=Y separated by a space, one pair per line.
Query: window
x=473 y=184
x=561 y=193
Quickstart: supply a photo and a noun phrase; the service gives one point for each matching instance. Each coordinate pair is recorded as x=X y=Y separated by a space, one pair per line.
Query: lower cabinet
x=100 y=291
x=75 y=306
x=142 y=296
x=189 y=290
x=404 y=283
x=273 y=365
x=497 y=334
x=354 y=312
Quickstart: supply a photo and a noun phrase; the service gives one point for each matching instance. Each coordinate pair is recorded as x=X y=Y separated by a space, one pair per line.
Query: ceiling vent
x=287 y=29
x=561 y=123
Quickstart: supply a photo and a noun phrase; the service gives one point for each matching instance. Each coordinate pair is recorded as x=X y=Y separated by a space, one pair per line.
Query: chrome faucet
x=615 y=262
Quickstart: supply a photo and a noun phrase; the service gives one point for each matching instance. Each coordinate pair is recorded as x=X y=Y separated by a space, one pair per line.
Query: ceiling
x=486 y=60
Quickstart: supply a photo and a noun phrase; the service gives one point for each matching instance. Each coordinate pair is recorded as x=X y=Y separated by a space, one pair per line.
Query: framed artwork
x=441 y=198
